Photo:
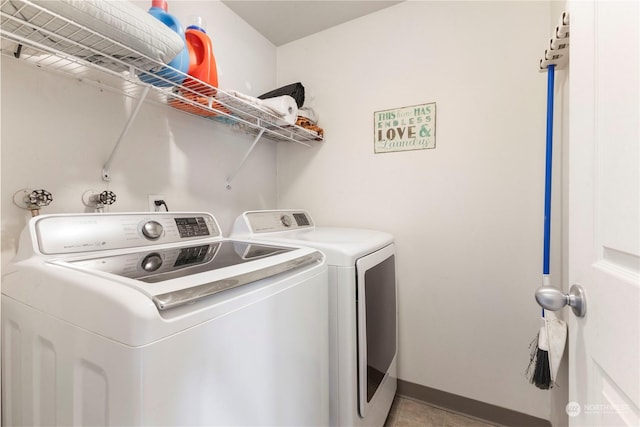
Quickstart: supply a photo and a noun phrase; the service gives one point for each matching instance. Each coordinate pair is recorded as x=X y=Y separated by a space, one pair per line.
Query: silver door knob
x=553 y=299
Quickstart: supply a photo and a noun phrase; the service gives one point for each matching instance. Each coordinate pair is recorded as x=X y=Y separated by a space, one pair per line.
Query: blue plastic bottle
x=181 y=62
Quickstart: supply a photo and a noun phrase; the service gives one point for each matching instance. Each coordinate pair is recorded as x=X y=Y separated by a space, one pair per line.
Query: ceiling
x=284 y=21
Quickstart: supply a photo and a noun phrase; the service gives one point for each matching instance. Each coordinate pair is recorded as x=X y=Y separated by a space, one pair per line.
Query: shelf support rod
x=244 y=159
x=106 y=175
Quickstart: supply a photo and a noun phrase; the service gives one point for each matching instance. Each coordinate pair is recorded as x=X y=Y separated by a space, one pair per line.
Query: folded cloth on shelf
x=304 y=122
x=294 y=90
x=283 y=107
x=309 y=113
x=133 y=37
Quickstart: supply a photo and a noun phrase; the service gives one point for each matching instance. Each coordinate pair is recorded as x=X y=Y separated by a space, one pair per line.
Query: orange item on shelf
x=202 y=66
x=192 y=107
x=202 y=63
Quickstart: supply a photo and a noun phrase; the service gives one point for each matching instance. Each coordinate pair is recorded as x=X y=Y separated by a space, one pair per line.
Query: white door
x=604 y=213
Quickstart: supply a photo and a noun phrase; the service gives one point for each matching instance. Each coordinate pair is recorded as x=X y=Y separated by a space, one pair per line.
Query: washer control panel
x=272 y=221
x=75 y=233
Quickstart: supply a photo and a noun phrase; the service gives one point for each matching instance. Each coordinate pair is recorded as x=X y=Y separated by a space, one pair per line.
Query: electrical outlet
x=152 y=203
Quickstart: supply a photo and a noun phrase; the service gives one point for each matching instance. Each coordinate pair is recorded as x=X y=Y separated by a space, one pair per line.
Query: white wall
x=468 y=215
x=57 y=133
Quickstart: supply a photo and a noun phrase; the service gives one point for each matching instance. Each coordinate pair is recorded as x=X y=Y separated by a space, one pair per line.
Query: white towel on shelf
x=284 y=107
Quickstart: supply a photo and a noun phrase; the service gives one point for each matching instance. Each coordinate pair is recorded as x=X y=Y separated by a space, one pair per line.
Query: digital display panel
x=192 y=227
x=301 y=219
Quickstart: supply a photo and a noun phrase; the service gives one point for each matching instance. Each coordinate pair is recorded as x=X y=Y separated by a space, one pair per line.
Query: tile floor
x=406 y=412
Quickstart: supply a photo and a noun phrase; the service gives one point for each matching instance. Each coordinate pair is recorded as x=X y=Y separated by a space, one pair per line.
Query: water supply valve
x=93 y=199
x=33 y=200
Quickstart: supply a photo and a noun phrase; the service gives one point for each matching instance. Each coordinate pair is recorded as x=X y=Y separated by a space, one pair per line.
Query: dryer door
x=376 y=308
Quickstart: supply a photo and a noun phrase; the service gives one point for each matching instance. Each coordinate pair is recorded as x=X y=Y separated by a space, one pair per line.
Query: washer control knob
x=286 y=220
x=152 y=230
x=151 y=262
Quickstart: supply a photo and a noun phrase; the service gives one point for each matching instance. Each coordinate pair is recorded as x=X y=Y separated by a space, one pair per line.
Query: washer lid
x=173 y=276
x=158 y=265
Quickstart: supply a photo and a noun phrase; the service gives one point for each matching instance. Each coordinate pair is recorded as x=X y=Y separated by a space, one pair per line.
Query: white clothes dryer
x=155 y=319
x=362 y=308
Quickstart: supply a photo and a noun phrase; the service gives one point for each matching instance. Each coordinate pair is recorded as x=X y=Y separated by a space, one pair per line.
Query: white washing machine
x=362 y=307
x=155 y=319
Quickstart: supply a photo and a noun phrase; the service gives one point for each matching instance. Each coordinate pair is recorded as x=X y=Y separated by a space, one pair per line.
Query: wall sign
x=407 y=128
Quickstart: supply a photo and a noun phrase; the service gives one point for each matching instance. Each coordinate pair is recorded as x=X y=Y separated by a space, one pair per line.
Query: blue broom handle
x=547 y=175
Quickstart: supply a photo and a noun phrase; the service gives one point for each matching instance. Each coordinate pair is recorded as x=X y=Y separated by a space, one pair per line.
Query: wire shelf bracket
x=106 y=169
x=244 y=159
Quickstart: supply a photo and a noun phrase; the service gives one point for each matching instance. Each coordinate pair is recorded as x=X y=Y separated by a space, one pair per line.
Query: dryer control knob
x=286 y=220
x=152 y=230
x=151 y=262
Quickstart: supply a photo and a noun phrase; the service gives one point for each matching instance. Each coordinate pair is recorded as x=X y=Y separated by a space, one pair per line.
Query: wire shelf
x=44 y=39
